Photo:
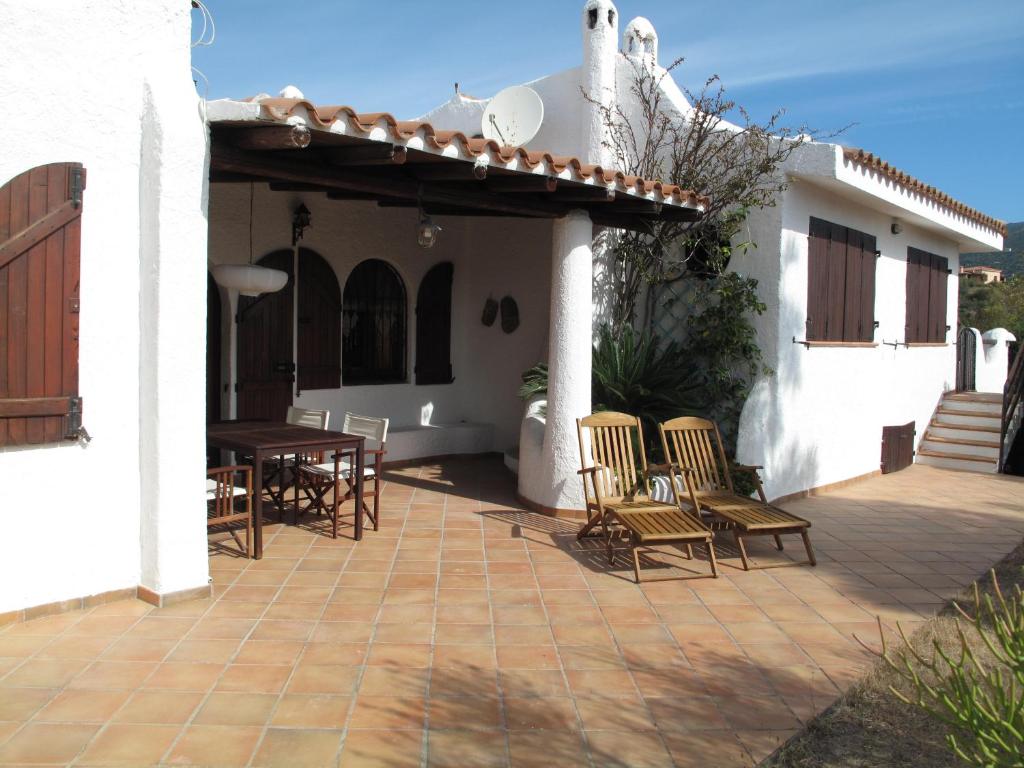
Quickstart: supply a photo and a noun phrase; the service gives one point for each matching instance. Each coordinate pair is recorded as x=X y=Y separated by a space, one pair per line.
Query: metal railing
x=1013 y=391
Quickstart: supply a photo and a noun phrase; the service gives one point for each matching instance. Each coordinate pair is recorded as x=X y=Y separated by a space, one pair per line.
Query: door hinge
x=77 y=185
x=74 y=305
x=75 y=429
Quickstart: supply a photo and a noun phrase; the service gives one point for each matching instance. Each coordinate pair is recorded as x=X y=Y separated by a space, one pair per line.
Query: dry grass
x=869 y=727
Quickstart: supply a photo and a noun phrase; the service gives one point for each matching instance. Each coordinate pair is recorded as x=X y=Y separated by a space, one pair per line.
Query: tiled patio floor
x=468 y=632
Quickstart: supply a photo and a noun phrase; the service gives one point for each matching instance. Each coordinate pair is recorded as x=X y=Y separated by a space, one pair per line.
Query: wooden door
x=898 y=447
x=40 y=244
x=212 y=350
x=265 y=351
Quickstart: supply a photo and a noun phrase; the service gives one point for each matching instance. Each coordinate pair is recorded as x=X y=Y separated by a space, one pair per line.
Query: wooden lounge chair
x=694 y=446
x=222 y=509
x=617 y=491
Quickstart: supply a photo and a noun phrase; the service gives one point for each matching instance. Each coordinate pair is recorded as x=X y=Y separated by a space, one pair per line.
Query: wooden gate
x=265 y=361
x=966 y=359
x=898 y=447
x=40 y=244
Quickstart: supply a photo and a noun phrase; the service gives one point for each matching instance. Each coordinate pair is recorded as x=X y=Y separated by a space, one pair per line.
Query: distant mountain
x=1010 y=260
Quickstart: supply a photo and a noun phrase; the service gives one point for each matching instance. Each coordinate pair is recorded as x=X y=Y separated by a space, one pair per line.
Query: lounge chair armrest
x=755 y=468
x=666 y=469
x=588 y=470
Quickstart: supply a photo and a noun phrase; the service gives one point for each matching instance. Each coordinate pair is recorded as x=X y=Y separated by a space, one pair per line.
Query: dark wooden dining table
x=265 y=439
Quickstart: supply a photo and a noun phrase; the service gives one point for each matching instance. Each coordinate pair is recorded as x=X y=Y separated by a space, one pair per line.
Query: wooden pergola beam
x=522 y=183
x=366 y=154
x=456 y=171
x=278 y=169
x=271 y=137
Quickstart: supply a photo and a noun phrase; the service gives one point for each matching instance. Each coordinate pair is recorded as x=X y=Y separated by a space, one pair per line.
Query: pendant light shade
x=250 y=279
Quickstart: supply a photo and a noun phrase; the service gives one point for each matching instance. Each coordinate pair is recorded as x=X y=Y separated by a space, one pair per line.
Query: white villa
x=111 y=318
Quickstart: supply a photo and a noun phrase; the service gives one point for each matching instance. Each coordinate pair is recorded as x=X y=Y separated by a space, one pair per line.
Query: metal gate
x=966 y=355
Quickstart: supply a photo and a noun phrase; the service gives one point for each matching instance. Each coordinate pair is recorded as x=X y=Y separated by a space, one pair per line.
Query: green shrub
x=978 y=689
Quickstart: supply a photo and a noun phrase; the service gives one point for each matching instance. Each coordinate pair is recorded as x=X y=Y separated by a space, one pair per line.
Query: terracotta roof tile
x=904 y=179
x=346 y=120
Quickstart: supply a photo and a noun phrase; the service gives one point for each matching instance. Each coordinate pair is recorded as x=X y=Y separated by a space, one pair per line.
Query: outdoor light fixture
x=426 y=230
x=251 y=279
x=896 y=227
x=300 y=220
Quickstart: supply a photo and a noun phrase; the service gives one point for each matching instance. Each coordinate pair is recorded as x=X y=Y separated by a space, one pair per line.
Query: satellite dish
x=513 y=116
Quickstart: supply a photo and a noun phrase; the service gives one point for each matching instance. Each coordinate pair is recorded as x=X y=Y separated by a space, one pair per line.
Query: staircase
x=964 y=433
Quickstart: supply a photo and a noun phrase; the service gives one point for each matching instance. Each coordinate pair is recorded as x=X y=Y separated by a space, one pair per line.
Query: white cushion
x=344 y=469
x=211 y=490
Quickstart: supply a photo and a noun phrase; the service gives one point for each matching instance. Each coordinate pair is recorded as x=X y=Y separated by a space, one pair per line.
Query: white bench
x=429 y=440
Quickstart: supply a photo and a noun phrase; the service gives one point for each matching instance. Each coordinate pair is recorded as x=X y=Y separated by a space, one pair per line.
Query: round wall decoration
x=490 y=312
x=509 y=314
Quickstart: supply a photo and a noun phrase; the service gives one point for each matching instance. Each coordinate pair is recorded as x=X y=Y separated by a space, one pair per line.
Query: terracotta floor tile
x=522 y=634
x=44 y=673
x=266 y=651
x=341 y=632
x=203 y=745
x=673 y=683
x=236 y=709
x=323 y=678
x=389 y=712
x=721 y=749
x=294 y=748
x=542 y=749
x=130 y=648
x=75 y=647
x=399 y=655
x=757 y=713
x=22 y=703
x=401 y=614
x=465 y=657
x=457 y=682
x=640 y=750
x=687 y=713
x=19 y=646
x=527 y=657
x=105 y=626
x=404 y=633
x=254 y=678
x=81 y=706
x=386 y=681
x=590 y=682
x=472 y=713
x=267 y=629
x=312 y=711
x=615 y=714
x=205 y=650
x=129 y=745
x=467 y=749
x=586 y=634
x=46 y=743
x=159 y=707
x=166 y=628
x=184 y=676
x=382 y=749
x=591 y=657
x=470 y=634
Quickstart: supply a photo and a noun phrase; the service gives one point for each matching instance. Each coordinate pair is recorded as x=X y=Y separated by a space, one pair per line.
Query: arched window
x=373 y=325
x=434 y=326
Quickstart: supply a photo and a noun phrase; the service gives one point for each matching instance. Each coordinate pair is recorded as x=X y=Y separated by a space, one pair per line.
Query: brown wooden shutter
x=868 y=264
x=817 y=280
x=852 y=322
x=937 y=285
x=835 y=325
x=319 y=348
x=434 y=326
x=40 y=246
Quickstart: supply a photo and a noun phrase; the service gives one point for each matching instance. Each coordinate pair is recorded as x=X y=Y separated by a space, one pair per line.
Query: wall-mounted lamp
x=426 y=231
x=300 y=221
x=896 y=227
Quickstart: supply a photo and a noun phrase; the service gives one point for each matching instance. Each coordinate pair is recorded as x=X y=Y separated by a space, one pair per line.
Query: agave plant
x=634 y=374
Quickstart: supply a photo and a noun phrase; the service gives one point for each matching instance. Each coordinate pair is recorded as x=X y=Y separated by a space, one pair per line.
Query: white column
x=549 y=477
x=172 y=360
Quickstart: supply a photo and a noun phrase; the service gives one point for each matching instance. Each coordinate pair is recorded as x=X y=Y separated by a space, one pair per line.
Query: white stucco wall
x=819 y=418
x=491 y=256
x=94 y=73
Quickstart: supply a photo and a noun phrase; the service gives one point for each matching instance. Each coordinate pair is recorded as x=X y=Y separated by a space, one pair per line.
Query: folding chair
x=317 y=477
x=222 y=495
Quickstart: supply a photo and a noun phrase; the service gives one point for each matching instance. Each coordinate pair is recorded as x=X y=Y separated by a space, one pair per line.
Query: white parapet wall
x=992 y=362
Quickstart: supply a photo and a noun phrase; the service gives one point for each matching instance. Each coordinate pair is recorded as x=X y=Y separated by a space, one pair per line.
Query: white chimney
x=597 y=79
x=640 y=42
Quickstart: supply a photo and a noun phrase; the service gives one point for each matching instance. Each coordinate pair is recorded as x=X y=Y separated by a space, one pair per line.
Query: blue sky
x=937 y=88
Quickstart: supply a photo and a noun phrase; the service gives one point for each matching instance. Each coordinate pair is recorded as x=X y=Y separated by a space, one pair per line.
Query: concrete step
x=988 y=407
x=963 y=431
x=961 y=447
x=961 y=462
x=948 y=415
x=978 y=397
